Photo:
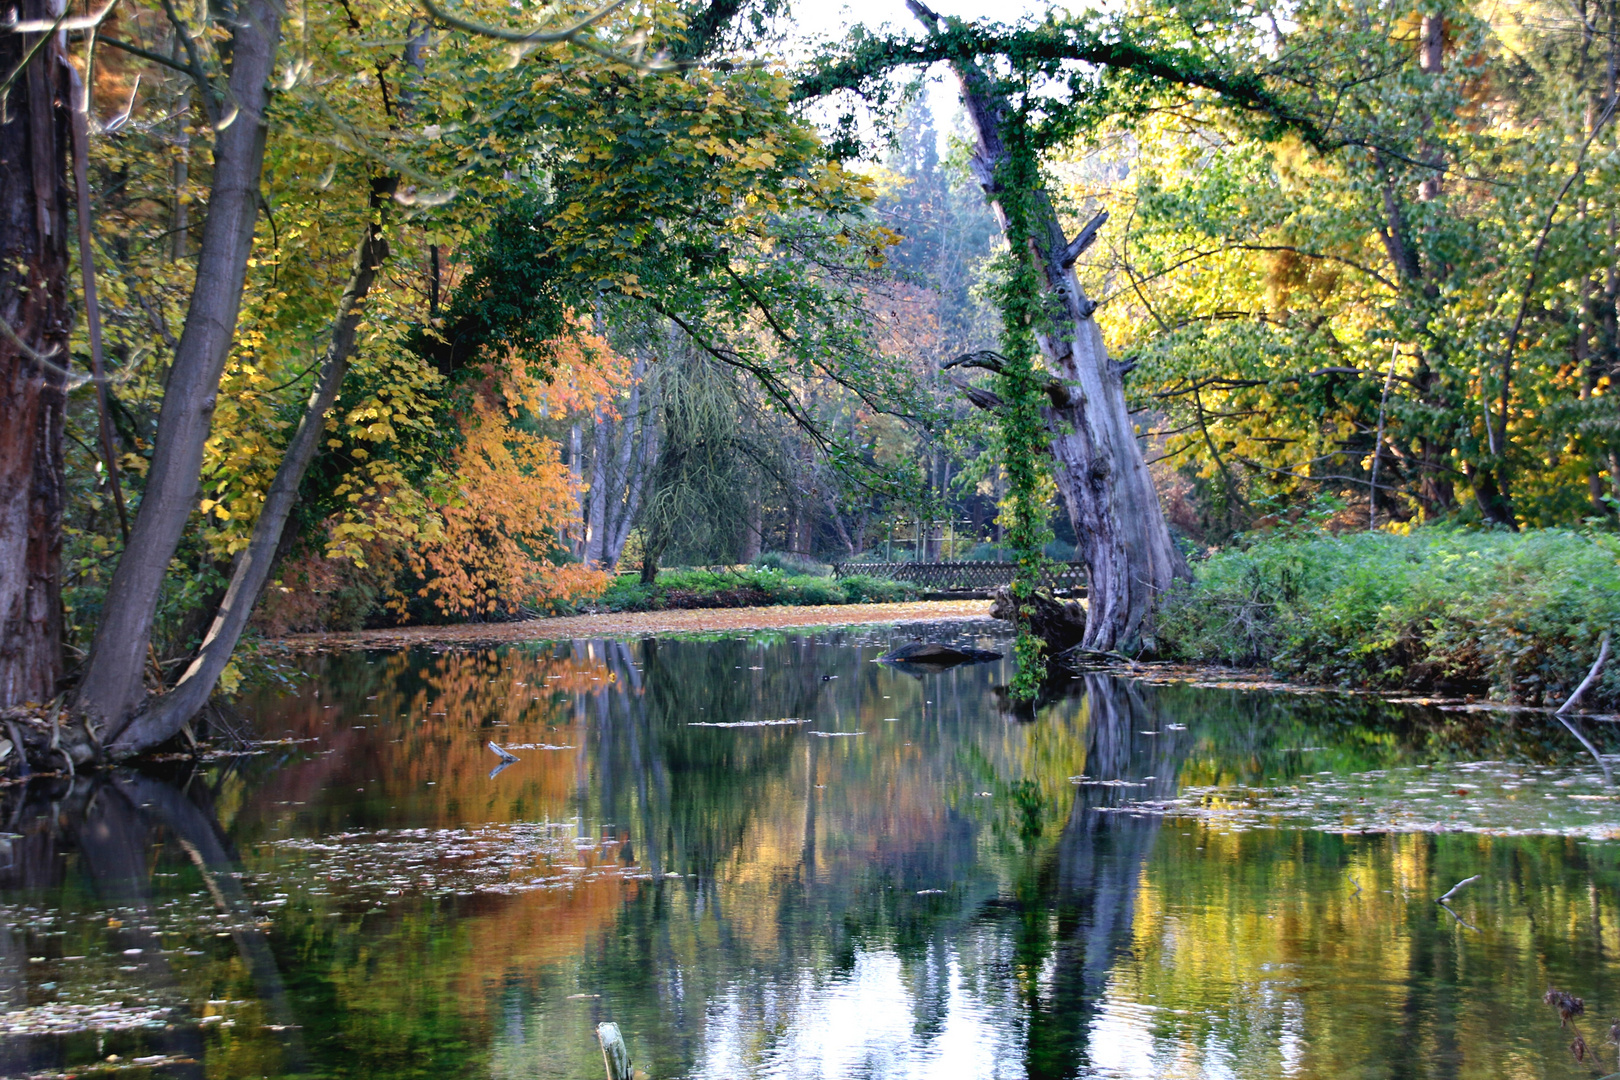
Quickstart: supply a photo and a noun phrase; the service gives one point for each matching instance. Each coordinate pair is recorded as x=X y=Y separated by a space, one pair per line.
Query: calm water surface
x=771 y=857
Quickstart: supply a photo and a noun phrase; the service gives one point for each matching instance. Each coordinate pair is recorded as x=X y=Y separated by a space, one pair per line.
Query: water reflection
x=773 y=857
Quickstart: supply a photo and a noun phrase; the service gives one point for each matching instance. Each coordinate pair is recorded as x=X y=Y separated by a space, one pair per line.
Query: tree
x=701 y=481
x=34 y=325
x=1097 y=463
x=113 y=689
x=113 y=683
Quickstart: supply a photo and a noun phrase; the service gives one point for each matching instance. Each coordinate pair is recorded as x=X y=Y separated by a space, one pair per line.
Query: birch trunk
x=112 y=687
x=164 y=718
x=33 y=358
x=1097 y=461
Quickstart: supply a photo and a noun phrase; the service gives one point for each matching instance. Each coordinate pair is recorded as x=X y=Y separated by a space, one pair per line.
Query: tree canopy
x=623 y=291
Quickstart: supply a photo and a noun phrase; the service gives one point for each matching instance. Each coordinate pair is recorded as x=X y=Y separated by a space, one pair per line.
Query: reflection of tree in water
x=700 y=786
x=798 y=860
x=98 y=841
x=676 y=954
x=1072 y=911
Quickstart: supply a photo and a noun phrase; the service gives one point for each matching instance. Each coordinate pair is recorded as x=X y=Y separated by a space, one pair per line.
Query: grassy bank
x=1513 y=616
x=755 y=586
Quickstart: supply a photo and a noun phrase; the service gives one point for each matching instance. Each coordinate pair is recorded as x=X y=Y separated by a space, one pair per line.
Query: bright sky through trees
x=819 y=21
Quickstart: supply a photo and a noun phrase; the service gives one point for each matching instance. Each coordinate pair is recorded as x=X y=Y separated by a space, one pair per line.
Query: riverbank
x=1516 y=618
x=641 y=623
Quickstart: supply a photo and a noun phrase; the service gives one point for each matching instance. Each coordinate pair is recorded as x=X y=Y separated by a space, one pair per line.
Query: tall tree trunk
x=112 y=687
x=618 y=493
x=1431 y=61
x=753 y=529
x=642 y=428
x=1495 y=505
x=33 y=357
x=839 y=527
x=182 y=171
x=1097 y=462
x=164 y=718
x=576 y=470
x=596 y=500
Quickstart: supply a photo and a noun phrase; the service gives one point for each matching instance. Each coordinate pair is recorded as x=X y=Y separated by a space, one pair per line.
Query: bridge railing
x=963 y=577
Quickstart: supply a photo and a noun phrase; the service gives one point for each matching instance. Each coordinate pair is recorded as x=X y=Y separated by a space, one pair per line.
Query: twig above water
x=1591 y=676
x=1453 y=890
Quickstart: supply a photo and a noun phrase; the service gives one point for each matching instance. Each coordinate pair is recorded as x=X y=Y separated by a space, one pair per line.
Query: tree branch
x=1088 y=236
x=199 y=74
x=979 y=397
x=144 y=54
x=983 y=359
x=537 y=36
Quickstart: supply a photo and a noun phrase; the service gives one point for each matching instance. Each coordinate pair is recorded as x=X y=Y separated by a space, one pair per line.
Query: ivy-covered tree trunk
x=33 y=358
x=1097 y=461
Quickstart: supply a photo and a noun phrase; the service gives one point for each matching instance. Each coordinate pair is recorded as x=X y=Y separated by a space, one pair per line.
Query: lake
x=767 y=855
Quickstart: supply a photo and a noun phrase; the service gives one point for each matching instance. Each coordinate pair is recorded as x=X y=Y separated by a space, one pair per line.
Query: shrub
x=746 y=588
x=862 y=589
x=789 y=563
x=1515 y=616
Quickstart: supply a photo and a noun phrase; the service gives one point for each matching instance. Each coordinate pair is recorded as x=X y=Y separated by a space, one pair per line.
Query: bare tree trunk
x=164 y=718
x=112 y=687
x=33 y=358
x=839 y=527
x=182 y=172
x=641 y=430
x=576 y=468
x=616 y=496
x=596 y=500
x=794 y=514
x=1431 y=61
x=1097 y=462
x=752 y=531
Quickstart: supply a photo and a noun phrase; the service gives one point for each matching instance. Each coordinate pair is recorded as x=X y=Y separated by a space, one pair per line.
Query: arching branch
x=537 y=36
x=983 y=359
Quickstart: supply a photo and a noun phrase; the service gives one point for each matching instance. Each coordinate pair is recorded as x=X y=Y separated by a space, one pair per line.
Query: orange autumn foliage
x=514 y=500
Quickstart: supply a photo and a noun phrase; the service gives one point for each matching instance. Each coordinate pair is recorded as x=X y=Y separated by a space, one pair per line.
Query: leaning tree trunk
x=1097 y=461
x=163 y=719
x=34 y=138
x=113 y=686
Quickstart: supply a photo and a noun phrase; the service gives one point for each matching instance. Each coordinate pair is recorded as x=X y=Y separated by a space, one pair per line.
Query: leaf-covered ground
x=647 y=622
